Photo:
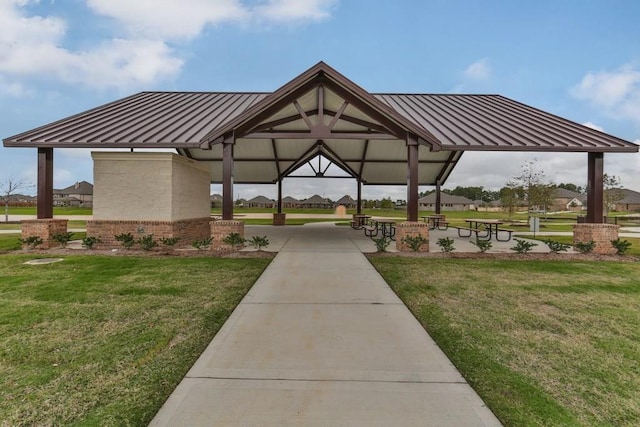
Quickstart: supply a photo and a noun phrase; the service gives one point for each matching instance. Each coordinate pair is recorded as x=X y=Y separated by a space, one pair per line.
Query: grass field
x=98 y=340
x=544 y=343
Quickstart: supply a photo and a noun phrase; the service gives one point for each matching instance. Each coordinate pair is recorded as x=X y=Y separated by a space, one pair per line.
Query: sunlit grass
x=97 y=340
x=543 y=343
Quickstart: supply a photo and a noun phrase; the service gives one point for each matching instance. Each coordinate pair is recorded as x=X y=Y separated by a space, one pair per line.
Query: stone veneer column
x=411 y=228
x=602 y=234
x=279 y=218
x=43 y=228
x=222 y=228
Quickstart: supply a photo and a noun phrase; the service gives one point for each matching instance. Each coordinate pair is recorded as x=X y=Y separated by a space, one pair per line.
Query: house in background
x=22 y=200
x=216 y=200
x=79 y=194
x=316 y=202
x=347 y=201
x=260 y=202
x=567 y=200
x=290 y=202
x=448 y=202
x=630 y=202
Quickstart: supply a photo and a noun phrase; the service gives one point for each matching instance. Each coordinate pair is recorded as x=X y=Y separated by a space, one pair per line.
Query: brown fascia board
x=12 y=140
x=631 y=148
x=320 y=71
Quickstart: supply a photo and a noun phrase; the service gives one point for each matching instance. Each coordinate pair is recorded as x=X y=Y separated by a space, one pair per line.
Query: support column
x=438 y=201
x=45 y=183
x=359 y=198
x=595 y=188
x=280 y=196
x=279 y=218
x=227 y=177
x=412 y=178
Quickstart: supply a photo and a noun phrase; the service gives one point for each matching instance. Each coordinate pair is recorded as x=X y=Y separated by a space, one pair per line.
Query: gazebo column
x=359 y=198
x=226 y=226
x=227 y=177
x=412 y=228
x=279 y=218
x=45 y=183
x=44 y=226
x=438 y=201
x=595 y=229
x=412 y=178
x=595 y=188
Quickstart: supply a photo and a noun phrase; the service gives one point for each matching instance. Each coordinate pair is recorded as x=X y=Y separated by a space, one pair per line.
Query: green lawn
x=100 y=340
x=544 y=343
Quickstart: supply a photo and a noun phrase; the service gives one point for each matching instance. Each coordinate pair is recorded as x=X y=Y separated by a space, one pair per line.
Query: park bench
x=503 y=230
x=370 y=231
x=470 y=231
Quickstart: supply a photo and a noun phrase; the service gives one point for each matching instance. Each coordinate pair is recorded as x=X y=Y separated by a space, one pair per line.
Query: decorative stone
x=45 y=229
x=411 y=228
x=279 y=218
x=221 y=229
x=186 y=230
x=601 y=234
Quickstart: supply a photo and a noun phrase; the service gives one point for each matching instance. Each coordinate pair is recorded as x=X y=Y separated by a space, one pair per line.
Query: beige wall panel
x=148 y=187
x=190 y=187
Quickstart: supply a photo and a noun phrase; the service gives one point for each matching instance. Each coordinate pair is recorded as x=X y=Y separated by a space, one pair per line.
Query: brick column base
x=279 y=218
x=404 y=229
x=45 y=229
x=186 y=230
x=221 y=229
x=602 y=234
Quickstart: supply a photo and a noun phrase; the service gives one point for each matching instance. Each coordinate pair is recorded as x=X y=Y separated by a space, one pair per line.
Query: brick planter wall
x=602 y=234
x=44 y=228
x=186 y=230
x=279 y=218
x=221 y=229
x=411 y=229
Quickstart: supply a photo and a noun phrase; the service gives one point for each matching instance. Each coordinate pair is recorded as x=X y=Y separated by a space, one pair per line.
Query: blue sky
x=577 y=59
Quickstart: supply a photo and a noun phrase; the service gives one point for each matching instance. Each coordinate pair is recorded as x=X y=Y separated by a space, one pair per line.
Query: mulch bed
x=509 y=256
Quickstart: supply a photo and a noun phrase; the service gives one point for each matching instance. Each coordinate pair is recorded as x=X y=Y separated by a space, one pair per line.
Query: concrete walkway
x=322 y=340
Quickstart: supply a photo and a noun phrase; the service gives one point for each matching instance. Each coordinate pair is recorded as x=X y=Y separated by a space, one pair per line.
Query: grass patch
x=98 y=340
x=634 y=250
x=543 y=343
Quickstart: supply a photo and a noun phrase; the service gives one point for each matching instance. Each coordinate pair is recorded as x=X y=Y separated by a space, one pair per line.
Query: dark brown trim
x=45 y=183
x=412 y=178
x=227 y=177
x=438 y=198
x=319 y=133
x=595 y=188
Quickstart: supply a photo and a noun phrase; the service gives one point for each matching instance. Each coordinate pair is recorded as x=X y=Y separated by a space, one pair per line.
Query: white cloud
x=169 y=19
x=593 y=126
x=617 y=92
x=294 y=10
x=186 y=19
x=32 y=47
x=479 y=70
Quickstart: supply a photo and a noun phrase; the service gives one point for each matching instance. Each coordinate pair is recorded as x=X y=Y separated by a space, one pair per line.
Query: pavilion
x=227 y=138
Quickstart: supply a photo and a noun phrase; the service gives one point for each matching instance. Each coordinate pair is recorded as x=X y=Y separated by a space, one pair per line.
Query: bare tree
x=612 y=192
x=8 y=188
x=537 y=191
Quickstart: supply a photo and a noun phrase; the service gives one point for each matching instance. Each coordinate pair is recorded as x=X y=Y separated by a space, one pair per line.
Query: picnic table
x=488 y=228
x=384 y=226
x=359 y=221
x=436 y=221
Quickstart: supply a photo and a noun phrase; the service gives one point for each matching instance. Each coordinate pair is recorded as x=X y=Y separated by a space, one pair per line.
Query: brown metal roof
x=183 y=119
x=146 y=119
x=321 y=113
x=494 y=122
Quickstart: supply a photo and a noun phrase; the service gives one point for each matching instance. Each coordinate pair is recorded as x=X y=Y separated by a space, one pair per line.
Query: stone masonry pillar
x=601 y=234
x=411 y=228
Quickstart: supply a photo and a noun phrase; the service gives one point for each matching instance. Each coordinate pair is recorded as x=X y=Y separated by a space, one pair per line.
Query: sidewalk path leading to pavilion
x=322 y=340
